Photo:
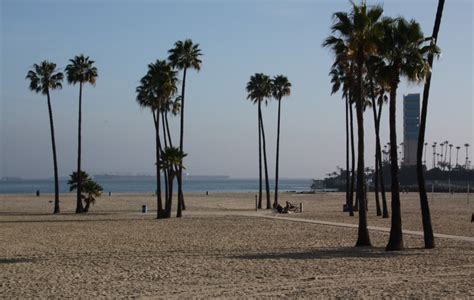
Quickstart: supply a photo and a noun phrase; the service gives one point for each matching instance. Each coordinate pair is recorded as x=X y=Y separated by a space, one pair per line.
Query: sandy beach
x=223 y=248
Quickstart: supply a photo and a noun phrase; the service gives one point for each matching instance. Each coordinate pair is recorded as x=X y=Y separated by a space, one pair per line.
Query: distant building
x=411 y=121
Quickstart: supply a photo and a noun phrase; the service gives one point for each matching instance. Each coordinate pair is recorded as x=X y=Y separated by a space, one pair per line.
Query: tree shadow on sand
x=16 y=260
x=329 y=253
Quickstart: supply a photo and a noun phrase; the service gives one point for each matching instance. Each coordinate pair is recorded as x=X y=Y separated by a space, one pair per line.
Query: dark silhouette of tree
x=171 y=160
x=80 y=71
x=154 y=92
x=360 y=31
x=259 y=89
x=403 y=48
x=90 y=188
x=425 y=210
x=185 y=55
x=281 y=87
x=43 y=78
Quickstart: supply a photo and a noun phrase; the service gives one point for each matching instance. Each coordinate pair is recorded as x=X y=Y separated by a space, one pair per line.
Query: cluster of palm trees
x=372 y=54
x=158 y=91
x=441 y=160
x=44 y=77
x=260 y=89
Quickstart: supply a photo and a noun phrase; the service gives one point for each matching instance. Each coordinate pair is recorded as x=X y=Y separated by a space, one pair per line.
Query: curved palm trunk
x=347 y=153
x=55 y=161
x=396 y=236
x=379 y=153
x=170 y=194
x=181 y=136
x=168 y=130
x=267 y=184
x=259 y=205
x=275 y=203
x=363 y=232
x=351 y=194
x=159 y=204
x=376 y=183
x=425 y=209
x=79 y=207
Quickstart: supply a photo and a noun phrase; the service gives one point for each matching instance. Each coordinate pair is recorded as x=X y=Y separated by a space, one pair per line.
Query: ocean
x=147 y=184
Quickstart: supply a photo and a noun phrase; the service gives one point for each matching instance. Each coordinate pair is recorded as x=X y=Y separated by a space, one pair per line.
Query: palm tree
x=281 y=87
x=457 y=156
x=467 y=155
x=155 y=89
x=425 y=210
x=185 y=55
x=89 y=187
x=259 y=89
x=80 y=70
x=360 y=31
x=402 y=48
x=450 y=155
x=171 y=160
x=43 y=78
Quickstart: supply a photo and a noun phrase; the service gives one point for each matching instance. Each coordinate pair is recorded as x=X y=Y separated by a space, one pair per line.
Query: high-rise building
x=411 y=121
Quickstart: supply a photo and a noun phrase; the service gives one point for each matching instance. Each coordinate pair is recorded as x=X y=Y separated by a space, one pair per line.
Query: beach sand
x=222 y=248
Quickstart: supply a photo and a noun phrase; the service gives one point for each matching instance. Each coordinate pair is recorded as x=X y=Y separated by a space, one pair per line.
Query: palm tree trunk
x=275 y=203
x=259 y=206
x=267 y=184
x=159 y=204
x=425 y=209
x=55 y=160
x=379 y=153
x=168 y=130
x=169 y=201
x=79 y=207
x=181 y=136
x=363 y=238
x=163 y=129
x=396 y=235
x=347 y=153
x=376 y=183
x=351 y=203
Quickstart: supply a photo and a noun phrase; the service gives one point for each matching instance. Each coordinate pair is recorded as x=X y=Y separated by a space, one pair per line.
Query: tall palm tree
x=425 y=209
x=457 y=156
x=80 y=70
x=467 y=155
x=450 y=155
x=281 y=87
x=185 y=55
x=259 y=89
x=43 y=78
x=155 y=89
x=360 y=31
x=342 y=76
x=402 y=48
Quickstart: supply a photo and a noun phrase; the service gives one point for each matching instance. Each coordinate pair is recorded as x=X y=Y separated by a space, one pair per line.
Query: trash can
x=144 y=209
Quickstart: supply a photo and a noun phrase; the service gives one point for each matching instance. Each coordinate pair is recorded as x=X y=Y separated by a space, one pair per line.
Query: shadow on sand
x=329 y=253
x=15 y=260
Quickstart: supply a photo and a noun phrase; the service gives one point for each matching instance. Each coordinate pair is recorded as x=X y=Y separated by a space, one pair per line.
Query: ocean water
x=148 y=184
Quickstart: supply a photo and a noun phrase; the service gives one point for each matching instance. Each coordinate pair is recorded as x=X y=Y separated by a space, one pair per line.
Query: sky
x=237 y=38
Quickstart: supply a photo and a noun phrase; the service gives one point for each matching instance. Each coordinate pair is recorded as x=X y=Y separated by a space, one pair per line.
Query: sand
x=221 y=248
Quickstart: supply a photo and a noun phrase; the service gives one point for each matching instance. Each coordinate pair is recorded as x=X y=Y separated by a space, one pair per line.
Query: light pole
x=424 y=162
x=450 y=154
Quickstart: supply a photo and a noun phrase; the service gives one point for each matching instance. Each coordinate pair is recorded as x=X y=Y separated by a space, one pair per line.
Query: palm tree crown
x=157 y=86
x=185 y=55
x=281 y=87
x=81 y=70
x=44 y=77
x=259 y=87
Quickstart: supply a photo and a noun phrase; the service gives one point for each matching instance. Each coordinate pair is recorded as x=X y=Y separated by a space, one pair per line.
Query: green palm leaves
x=259 y=87
x=44 y=77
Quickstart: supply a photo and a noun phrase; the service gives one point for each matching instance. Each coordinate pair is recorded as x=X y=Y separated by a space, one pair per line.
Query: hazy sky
x=238 y=39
